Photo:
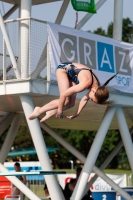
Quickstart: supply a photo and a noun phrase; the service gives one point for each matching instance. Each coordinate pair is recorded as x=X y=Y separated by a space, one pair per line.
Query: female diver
x=73 y=78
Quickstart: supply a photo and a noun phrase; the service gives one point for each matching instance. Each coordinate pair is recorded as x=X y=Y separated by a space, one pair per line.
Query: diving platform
x=34 y=2
x=90 y=118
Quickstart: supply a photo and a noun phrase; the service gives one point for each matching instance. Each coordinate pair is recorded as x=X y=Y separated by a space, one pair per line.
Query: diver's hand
x=72 y=116
x=60 y=115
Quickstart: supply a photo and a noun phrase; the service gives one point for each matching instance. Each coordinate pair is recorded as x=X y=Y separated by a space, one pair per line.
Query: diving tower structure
x=26 y=83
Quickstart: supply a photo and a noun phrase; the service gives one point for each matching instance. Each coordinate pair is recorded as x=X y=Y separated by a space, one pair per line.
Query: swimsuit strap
x=92 y=77
x=92 y=74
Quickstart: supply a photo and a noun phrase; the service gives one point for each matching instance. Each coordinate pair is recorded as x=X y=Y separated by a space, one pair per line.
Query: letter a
x=105 y=55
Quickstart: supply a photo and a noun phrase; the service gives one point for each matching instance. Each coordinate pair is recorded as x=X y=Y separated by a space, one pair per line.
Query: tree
x=82 y=141
x=23 y=138
x=112 y=139
x=127 y=30
x=110 y=30
x=100 y=31
x=79 y=139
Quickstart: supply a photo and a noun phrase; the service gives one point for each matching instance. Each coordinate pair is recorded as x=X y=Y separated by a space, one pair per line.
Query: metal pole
x=118 y=13
x=62 y=11
x=4 y=60
x=10 y=51
x=89 y=15
x=125 y=135
x=93 y=153
x=6 y=121
x=48 y=68
x=23 y=188
x=71 y=161
x=14 y=8
x=113 y=184
x=24 y=37
x=106 y=162
x=41 y=149
x=103 y=166
x=10 y=137
x=78 y=155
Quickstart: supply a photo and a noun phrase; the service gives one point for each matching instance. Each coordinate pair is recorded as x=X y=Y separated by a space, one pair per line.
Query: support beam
x=78 y=155
x=10 y=137
x=107 y=161
x=14 y=8
x=118 y=16
x=4 y=61
x=48 y=69
x=89 y=15
x=23 y=188
x=36 y=134
x=62 y=11
x=116 y=187
x=8 y=44
x=6 y=121
x=24 y=38
x=93 y=153
x=125 y=135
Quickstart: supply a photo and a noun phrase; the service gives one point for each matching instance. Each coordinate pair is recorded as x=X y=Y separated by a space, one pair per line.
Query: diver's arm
x=82 y=104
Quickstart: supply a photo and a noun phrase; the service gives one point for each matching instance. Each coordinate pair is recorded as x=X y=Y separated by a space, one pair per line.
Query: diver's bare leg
x=53 y=112
x=63 y=85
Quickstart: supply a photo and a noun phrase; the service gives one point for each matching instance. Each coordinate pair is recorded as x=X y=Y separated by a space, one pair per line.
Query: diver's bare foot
x=48 y=115
x=44 y=118
x=35 y=113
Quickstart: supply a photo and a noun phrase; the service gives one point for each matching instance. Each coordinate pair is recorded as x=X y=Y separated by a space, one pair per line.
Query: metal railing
x=130 y=180
x=28 y=39
x=36 y=186
x=6 y=187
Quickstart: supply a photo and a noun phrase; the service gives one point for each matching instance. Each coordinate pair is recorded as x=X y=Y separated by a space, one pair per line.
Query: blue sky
x=49 y=12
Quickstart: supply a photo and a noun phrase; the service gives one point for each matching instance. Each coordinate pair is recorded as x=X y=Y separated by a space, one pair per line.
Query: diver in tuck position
x=73 y=78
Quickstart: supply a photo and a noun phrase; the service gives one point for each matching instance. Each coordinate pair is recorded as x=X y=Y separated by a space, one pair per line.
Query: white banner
x=105 y=56
x=99 y=184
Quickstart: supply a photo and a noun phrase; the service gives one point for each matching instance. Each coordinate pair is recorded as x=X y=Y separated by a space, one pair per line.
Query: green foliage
x=81 y=140
x=100 y=31
x=127 y=30
x=23 y=138
x=110 y=142
x=110 y=30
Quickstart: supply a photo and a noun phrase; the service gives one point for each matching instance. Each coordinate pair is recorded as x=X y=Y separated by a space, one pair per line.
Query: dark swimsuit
x=72 y=72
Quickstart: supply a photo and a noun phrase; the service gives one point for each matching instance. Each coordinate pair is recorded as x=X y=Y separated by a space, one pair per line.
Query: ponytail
x=107 y=82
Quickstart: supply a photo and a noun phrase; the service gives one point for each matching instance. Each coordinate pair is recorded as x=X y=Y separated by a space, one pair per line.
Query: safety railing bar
x=1 y=54
x=27 y=18
x=32 y=173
